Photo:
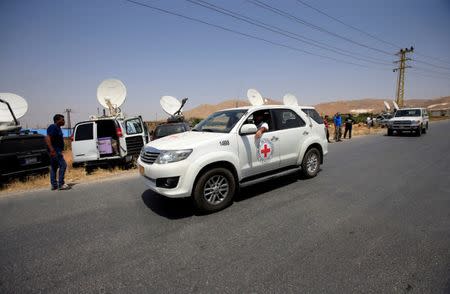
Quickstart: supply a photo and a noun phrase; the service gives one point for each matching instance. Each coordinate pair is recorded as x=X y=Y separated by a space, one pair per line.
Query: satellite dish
x=170 y=104
x=254 y=97
x=387 y=105
x=395 y=105
x=290 y=99
x=19 y=107
x=111 y=93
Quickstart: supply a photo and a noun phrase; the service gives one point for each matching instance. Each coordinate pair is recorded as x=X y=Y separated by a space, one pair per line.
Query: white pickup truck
x=221 y=154
x=410 y=120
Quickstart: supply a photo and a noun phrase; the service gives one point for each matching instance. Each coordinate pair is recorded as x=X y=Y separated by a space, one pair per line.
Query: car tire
x=424 y=130
x=389 y=132
x=311 y=163
x=214 y=190
x=419 y=131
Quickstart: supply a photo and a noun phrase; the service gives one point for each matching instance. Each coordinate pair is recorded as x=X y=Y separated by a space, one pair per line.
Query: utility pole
x=401 y=74
x=69 y=125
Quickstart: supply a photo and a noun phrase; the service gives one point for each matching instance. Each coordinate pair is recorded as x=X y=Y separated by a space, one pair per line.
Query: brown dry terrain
x=73 y=177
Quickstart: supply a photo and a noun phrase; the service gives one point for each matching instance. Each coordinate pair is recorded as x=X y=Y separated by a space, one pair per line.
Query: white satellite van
x=109 y=138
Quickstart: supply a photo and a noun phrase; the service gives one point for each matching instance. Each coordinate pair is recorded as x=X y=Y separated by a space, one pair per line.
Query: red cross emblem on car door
x=265 y=150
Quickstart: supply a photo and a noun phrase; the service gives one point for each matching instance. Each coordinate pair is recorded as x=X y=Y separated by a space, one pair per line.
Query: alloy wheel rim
x=312 y=163
x=216 y=189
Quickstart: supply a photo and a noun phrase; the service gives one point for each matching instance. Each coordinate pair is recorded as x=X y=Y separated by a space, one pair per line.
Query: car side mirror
x=248 y=129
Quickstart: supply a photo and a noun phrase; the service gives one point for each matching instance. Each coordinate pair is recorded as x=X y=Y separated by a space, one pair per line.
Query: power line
x=364 y=32
x=304 y=22
x=432 y=71
x=241 y=33
x=430 y=64
x=428 y=76
x=348 y=25
x=281 y=31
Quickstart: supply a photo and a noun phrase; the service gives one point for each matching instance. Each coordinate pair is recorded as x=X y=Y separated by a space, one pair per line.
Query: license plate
x=141 y=170
x=30 y=160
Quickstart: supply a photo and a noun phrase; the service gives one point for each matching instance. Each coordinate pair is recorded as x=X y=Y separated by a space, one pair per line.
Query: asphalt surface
x=375 y=220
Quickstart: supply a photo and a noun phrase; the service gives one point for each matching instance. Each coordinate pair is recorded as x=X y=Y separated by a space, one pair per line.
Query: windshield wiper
x=207 y=130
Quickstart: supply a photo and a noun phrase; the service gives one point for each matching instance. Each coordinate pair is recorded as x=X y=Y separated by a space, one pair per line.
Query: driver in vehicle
x=260 y=124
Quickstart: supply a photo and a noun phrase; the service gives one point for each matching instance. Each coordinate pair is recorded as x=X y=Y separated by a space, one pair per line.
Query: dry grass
x=73 y=176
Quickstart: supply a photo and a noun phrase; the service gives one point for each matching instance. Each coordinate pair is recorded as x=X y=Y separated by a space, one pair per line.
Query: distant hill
x=330 y=108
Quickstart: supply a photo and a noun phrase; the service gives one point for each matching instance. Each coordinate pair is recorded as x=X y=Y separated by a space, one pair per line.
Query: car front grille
x=402 y=122
x=149 y=157
x=134 y=145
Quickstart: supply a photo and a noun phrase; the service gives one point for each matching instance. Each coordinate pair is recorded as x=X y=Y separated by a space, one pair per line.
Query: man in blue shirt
x=337 y=127
x=55 y=144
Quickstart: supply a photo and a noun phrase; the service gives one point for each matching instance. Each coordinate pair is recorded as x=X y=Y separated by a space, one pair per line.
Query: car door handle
x=273 y=139
x=305 y=133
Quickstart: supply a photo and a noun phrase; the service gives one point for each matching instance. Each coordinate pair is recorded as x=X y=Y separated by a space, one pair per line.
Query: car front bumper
x=154 y=174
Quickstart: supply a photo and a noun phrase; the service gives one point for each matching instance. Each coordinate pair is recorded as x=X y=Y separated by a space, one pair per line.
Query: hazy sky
x=54 y=53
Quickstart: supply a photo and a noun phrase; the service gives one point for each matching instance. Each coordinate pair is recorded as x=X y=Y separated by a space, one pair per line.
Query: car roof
x=265 y=106
x=411 y=108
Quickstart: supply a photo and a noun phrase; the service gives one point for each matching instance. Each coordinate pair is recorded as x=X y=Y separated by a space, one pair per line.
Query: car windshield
x=169 y=129
x=407 y=112
x=220 y=122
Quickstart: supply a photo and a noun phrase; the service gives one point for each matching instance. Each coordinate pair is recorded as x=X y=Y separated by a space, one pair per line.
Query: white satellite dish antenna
x=290 y=99
x=111 y=94
x=387 y=105
x=254 y=97
x=170 y=104
x=395 y=105
x=17 y=105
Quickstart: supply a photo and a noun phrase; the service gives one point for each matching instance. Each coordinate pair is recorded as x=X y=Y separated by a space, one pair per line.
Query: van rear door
x=84 y=144
x=135 y=135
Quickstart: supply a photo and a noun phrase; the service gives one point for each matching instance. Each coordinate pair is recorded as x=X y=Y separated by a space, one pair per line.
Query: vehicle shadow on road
x=168 y=207
x=268 y=186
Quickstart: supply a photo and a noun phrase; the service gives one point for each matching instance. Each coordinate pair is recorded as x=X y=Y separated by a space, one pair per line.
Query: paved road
x=375 y=220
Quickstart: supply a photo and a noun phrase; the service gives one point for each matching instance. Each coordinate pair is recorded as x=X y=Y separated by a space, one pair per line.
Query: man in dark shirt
x=349 y=121
x=55 y=144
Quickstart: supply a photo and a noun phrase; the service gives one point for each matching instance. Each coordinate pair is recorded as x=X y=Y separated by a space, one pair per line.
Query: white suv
x=409 y=119
x=221 y=153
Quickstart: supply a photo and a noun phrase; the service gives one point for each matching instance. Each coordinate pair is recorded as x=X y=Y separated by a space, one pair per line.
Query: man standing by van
x=55 y=145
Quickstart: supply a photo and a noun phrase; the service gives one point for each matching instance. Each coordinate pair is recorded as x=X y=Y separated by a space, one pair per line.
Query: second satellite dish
x=254 y=97
x=290 y=99
x=111 y=93
x=170 y=104
x=19 y=107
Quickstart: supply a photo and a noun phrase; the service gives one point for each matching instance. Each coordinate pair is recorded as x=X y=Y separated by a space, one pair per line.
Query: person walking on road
x=337 y=127
x=55 y=145
x=349 y=121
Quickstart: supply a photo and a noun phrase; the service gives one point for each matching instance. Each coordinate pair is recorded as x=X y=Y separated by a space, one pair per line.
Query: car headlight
x=167 y=156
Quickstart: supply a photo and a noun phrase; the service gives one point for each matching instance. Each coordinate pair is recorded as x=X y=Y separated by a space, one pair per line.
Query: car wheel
x=389 y=132
x=311 y=163
x=419 y=131
x=214 y=190
x=424 y=130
